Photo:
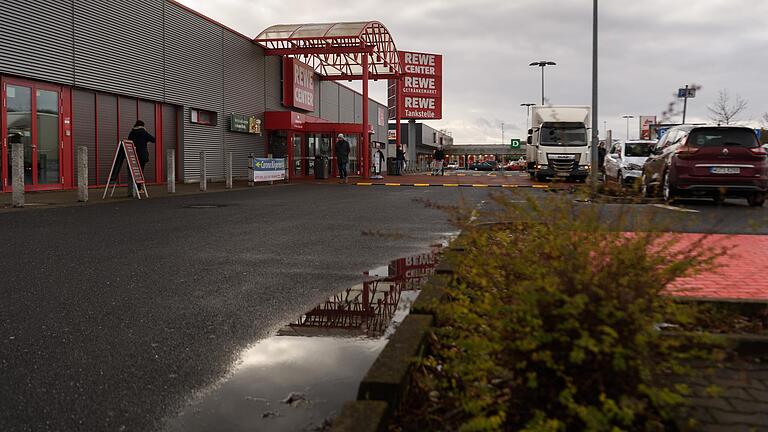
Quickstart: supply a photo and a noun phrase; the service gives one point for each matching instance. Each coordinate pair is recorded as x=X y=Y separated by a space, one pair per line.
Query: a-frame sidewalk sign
x=134 y=168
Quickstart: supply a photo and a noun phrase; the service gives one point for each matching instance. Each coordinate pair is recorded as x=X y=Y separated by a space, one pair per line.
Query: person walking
x=378 y=163
x=438 y=158
x=342 y=157
x=399 y=160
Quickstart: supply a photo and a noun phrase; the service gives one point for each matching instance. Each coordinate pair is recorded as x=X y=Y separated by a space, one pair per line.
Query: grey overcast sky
x=648 y=49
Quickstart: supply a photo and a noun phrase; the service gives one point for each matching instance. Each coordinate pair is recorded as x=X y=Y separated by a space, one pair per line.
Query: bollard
x=228 y=184
x=250 y=169
x=203 y=174
x=171 y=168
x=18 y=174
x=82 y=174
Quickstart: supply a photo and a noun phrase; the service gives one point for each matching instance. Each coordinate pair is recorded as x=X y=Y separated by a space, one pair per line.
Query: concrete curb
x=361 y=416
x=504 y=186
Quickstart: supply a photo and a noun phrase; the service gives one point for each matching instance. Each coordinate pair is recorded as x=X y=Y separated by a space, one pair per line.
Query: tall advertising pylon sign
x=419 y=93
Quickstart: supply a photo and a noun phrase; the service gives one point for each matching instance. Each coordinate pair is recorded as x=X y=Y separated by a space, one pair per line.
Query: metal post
x=595 y=131
x=203 y=174
x=366 y=147
x=412 y=142
x=250 y=169
x=685 y=102
x=82 y=174
x=502 y=133
x=171 y=168
x=228 y=183
x=542 y=85
x=18 y=174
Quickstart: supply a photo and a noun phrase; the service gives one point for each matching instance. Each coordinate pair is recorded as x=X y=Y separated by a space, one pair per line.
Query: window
x=202 y=117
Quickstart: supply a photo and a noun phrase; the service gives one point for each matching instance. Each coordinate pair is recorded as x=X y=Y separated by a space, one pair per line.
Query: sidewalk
x=68 y=198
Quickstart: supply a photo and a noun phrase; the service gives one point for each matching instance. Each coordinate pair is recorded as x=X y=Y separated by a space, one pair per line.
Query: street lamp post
x=542 y=64
x=627 y=117
x=527 y=113
x=595 y=132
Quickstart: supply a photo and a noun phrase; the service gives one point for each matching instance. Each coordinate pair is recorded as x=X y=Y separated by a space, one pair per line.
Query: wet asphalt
x=112 y=316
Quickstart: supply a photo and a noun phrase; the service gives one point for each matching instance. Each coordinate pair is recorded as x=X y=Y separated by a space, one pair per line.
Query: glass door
x=297 y=156
x=354 y=165
x=310 y=150
x=31 y=117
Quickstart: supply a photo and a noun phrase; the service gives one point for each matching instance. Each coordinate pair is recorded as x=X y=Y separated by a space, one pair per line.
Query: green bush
x=551 y=323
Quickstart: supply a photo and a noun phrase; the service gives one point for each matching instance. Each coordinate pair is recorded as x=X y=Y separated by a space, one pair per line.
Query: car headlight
x=540 y=166
x=584 y=167
x=634 y=167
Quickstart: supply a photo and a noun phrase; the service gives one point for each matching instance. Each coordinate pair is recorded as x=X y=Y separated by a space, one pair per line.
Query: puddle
x=299 y=379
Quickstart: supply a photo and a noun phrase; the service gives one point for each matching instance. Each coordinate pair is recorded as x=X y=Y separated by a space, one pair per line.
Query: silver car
x=624 y=163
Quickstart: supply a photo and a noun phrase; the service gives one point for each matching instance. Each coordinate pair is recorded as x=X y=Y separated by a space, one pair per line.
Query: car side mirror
x=530 y=131
x=529 y=140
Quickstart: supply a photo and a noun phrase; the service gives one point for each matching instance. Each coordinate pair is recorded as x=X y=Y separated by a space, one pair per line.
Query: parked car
x=714 y=161
x=484 y=166
x=624 y=162
x=452 y=166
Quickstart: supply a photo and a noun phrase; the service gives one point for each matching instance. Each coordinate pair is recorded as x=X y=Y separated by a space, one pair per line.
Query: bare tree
x=764 y=119
x=723 y=110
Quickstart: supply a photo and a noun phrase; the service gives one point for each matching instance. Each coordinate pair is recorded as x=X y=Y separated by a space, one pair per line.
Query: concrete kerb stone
x=362 y=416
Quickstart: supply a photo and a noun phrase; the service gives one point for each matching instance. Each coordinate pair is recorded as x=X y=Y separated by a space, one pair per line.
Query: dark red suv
x=714 y=161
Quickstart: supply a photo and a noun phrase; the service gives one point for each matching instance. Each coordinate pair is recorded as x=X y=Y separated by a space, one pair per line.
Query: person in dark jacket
x=342 y=157
x=399 y=160
x=141 y=138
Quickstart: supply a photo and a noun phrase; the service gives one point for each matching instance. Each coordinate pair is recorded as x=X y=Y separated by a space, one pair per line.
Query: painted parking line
x=451 y=185
x=480 y=185
x=540 y=186
x=680 y=209
x=364 y=184
x=421 y=184
x=468 y=185
x=509 y=186
x=391 y=184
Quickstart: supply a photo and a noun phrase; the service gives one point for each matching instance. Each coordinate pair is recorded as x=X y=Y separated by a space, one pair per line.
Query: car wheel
x=667 y=191
x=540 y=178
x=645 y=190
x=756 y=200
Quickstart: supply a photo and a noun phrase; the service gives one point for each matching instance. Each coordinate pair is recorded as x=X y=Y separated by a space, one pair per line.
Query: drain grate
x=204 y=206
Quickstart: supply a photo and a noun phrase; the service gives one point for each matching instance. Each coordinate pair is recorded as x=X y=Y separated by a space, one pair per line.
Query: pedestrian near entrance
x=378 y=162
x=342 y=157
x=399 y=160
x=140 y=138
x=437 y=163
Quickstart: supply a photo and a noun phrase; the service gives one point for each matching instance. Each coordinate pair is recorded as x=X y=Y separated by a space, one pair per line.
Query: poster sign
x=645 y=126
x=686 y=92
x=268 y=169
x=244 y=124
x=514 y=143
x=126 y=151
x=420 y=93
x=298 y=84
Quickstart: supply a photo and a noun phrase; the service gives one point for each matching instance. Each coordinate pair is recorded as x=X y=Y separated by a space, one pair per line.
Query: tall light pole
x=502 y=133
x=595 y=131
x=628 y=117
x=527 y=113
x=542 y=64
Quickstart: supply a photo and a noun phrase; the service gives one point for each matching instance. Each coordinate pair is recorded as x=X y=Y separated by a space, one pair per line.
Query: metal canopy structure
x=339 y=51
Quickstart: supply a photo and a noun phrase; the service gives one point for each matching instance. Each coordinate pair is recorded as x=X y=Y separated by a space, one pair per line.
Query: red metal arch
x=337 y=51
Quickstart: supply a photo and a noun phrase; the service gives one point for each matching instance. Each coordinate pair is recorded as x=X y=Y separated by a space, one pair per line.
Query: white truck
x=558 y=142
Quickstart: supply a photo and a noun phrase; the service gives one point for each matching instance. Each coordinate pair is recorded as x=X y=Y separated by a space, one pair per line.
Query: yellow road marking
x=365 y=184
x=391 y=184
x=541 y=186
x=421 y=184
x=509 y=186
x=451 y=185
x=479 y=185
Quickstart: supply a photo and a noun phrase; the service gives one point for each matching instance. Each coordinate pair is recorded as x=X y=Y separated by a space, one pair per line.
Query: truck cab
x=558 y=143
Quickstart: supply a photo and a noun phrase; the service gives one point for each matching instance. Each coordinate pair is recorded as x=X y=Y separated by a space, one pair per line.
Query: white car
x=452 y=166
x=624 y=162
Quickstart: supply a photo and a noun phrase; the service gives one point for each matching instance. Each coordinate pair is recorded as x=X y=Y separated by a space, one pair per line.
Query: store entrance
x=31 y=117
x=306 y=147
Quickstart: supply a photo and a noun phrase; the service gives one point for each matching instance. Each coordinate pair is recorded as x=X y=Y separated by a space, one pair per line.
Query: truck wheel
x=540 y=178
x=756 y=199
x=668 y=191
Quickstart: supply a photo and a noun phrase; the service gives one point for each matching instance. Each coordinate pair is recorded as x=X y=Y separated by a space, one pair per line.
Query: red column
x=366 y=144
x=397 y=112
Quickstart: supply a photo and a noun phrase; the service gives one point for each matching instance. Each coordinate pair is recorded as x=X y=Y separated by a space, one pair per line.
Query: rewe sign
x=420 y=94
x=298 y=84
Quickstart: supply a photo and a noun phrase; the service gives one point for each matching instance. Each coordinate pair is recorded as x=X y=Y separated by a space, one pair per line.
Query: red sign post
x=420 y=93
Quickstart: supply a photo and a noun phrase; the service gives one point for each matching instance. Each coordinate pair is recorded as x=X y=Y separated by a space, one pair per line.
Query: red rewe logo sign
x=421 y=87
x=298 y=84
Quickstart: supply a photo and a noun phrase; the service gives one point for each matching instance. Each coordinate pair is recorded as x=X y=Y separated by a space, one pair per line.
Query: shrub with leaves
x=551 y=323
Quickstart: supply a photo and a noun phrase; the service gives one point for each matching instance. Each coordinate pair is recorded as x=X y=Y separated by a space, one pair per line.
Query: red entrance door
x=32 y=116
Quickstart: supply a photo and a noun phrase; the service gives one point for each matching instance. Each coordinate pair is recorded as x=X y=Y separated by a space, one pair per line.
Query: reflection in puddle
x=300 y=378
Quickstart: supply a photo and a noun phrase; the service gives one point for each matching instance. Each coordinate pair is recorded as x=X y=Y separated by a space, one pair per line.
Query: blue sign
x=268 y=169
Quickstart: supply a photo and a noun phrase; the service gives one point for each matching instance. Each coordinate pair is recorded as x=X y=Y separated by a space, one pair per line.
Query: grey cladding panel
x=346 y=105
x=329 y=101
x=84 y=128
x=243 y=94
x=358 y=110
x=273 y=81
x=119 y=46
x=36 y=39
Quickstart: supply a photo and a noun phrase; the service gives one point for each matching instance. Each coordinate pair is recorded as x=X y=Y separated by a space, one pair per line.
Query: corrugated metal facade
x=126 y=54
x=243 y=94
x=36 y=39
x=119 y=46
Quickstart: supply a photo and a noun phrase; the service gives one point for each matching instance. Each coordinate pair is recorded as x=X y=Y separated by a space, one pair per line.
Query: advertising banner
x=298 y=84
x=645 y=126
x=420 y=95
x=268 y=169
x=244 y=124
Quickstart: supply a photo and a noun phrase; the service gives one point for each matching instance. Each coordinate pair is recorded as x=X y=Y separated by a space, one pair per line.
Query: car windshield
x=563 y=135
x=720 y=137
x=637 y=149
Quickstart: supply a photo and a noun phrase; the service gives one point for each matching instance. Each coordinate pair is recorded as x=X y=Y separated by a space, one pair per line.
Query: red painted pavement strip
x=740 y=273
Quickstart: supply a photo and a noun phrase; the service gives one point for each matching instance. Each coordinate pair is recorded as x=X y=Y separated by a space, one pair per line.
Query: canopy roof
x=336 y=50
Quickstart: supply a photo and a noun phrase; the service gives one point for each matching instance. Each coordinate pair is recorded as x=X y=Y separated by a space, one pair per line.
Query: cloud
x=647 y=50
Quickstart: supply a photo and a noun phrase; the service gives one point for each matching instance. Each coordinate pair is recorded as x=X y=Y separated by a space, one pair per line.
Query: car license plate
x=563 y=174
x=725 y=170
